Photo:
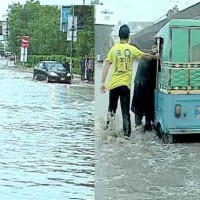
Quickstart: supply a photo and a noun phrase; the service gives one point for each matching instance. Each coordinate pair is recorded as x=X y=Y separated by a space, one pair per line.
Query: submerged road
x=47 y=146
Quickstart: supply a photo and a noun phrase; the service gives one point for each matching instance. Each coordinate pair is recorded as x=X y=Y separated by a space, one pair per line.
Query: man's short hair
x=124 y=32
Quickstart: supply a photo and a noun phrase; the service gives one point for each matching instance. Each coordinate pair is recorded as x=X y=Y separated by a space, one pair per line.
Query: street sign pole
x=24 y=49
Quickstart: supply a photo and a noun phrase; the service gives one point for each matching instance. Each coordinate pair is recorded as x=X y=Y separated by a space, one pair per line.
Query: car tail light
x=178 y=110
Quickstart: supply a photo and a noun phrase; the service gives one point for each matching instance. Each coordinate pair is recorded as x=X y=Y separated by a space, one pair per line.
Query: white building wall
x=104 y=16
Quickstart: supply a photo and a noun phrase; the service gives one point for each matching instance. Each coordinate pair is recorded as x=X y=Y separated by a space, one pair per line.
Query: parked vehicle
x=177 y=96
x=8 y=54
x=51 y=71
x=2 y=53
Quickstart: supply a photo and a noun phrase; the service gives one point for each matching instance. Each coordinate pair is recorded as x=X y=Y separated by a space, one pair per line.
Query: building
x=3 y=35
x=145 y=38
x=105 y=21
x=134 y=28
x=107 y=29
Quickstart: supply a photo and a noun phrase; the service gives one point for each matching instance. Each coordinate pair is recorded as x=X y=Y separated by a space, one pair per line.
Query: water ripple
x=47 y=141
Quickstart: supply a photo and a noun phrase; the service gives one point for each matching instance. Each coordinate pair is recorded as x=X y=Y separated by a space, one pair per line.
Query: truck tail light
x=178 y=110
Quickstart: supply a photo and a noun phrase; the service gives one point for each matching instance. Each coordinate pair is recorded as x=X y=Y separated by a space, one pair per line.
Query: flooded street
x=47 y=139
x=143 y=168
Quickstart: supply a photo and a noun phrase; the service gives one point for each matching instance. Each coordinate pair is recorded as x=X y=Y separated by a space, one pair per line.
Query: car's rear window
x=56 y=66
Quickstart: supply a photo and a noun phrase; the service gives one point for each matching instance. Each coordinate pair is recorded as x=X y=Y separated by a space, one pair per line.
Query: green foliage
x=42 y=25
x=85 y=43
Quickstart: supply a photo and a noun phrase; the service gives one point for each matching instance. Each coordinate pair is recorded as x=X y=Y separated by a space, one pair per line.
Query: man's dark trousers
x=122 y=92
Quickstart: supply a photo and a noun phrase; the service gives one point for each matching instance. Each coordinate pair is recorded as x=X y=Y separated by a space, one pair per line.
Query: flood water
x=47 y=139
x=143 y=168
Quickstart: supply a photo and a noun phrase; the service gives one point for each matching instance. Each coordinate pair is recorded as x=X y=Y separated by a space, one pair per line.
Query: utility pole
x=83 y=2
x=72 y=40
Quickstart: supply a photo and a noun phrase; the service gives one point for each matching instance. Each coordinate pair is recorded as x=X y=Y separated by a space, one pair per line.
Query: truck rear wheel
x=165 y=137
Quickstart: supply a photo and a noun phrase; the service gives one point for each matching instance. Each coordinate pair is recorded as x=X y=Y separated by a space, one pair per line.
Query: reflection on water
x=47 y=141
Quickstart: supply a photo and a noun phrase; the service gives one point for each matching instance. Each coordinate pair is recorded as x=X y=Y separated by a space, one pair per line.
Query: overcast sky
x=127 y=10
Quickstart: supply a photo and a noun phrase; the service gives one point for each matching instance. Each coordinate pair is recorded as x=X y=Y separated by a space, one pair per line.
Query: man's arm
x=106 y=66
x=147 y=56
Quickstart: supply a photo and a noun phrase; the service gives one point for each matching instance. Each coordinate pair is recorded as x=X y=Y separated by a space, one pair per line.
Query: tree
x=85 y=18
x=42 y=25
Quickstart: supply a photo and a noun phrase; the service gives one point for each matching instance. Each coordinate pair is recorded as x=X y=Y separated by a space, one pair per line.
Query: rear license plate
x=197 y=112
x=62 y=79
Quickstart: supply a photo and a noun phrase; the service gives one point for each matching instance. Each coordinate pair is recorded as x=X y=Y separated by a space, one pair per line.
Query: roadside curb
x=30 y=70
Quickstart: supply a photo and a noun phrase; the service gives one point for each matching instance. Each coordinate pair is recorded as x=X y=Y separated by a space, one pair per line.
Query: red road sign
x=25 y=41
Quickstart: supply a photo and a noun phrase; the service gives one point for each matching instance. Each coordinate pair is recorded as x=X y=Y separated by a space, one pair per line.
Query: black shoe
x=126 y=134
x=127 y=137
x=138 y=120
x=147 y=127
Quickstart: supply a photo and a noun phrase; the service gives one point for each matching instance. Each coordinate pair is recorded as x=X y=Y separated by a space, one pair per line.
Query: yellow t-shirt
x=121 y=57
